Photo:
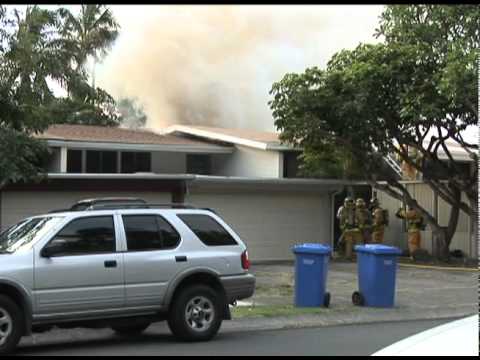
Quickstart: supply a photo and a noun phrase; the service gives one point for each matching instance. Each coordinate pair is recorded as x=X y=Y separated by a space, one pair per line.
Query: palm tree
x=31 y=56
x=90 y=34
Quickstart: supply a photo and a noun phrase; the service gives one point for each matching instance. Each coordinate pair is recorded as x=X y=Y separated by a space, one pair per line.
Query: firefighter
x=415 y=225
x=363 y=220
x=350 y=232
x=379 y=221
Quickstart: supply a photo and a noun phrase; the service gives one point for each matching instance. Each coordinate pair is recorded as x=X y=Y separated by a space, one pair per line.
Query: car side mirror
x=55 y=247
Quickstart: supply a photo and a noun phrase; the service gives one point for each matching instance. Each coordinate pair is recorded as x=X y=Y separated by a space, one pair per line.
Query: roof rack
x=85 y=204
x=119 y=206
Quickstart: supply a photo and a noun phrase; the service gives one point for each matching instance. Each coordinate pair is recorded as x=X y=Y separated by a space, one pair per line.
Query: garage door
x=271 y=223
x=17 y=205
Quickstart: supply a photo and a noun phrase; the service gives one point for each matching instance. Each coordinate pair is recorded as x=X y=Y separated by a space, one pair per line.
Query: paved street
x=348 y=340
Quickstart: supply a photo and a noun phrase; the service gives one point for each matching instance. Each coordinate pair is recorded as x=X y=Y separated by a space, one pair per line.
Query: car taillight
x=245 y=260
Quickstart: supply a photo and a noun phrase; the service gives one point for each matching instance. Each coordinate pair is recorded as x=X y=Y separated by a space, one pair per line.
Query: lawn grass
x=271 y=311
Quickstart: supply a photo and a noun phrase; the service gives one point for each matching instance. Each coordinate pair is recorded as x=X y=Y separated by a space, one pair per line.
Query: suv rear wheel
x=196 y=313
x=11 y=325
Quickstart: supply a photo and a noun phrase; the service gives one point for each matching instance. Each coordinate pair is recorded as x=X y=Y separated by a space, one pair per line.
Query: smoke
x=215 y=65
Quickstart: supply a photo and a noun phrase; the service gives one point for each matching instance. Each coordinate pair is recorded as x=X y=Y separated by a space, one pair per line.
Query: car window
x=91 y=235
x=26 y=232
x=208 y=230
x=149 y=232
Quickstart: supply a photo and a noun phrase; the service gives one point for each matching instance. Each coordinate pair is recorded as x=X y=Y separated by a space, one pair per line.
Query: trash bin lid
x=313 y=248
x=378 y=249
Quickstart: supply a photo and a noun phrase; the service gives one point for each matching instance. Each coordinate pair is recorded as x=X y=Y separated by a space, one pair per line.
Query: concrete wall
x=17 y=205
x=249 y=162
x=270 y=223
x=55 y=162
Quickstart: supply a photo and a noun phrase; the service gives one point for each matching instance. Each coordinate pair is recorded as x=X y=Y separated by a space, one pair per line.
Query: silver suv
x=122 y=266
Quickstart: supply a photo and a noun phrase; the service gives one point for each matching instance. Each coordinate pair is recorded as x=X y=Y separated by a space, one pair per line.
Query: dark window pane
x=109 y=162
x=291 y=164
x=199 y=164
x=86 y=236
x=128 y=162
x=136 y=162
x=170 y=236
x=93 y=162
x=149 y=232
x=74 y=161
x=210 y=232
x=143 y=162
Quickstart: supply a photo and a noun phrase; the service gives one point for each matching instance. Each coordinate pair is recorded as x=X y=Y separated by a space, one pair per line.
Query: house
x=247 y=177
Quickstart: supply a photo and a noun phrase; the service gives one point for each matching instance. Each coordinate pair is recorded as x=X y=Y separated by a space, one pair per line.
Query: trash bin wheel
x=358 y=299
x=326 y=300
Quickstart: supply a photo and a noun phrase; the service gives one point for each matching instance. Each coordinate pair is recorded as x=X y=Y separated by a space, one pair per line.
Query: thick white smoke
x=214 y=65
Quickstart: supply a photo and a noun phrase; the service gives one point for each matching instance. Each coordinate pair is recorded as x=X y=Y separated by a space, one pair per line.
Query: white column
x=63 y=159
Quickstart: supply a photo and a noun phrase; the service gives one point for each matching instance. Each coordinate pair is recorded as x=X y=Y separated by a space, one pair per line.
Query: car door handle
x=111 y=264
x=181 y=259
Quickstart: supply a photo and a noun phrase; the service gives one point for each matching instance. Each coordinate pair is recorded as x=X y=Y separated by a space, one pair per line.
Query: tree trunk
x=442 y=248
x=443 y=235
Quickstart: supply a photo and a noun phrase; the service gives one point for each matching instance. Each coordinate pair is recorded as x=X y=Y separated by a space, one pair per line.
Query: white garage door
x=17 y=205
x=271 y=223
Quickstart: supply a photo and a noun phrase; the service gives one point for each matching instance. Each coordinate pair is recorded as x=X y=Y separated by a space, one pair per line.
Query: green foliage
x=132 y=114
x=22 y=158
x=37 y=48
x=417 y=90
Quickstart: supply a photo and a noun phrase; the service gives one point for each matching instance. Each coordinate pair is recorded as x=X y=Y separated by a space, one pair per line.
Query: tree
x=90 y=34
x=34 y=52
x=382 y=99
x=132 y=114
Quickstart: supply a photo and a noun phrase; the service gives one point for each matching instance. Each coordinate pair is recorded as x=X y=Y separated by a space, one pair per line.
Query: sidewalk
x=421 y=294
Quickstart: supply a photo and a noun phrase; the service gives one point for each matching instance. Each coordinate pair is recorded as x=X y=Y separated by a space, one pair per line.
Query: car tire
x=196 y=313
x=132 y=330
x=12 y=325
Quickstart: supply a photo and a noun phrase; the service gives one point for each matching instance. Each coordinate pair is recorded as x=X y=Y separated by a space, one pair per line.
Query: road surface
x=335 y=340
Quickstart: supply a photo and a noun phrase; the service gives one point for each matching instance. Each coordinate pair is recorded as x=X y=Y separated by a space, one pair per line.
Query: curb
x=286 y=323
x=430 y=267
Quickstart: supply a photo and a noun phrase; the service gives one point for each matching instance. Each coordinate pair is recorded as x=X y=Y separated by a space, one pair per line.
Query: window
x=133 y=162
x=74 y=161
x=25 y=233
x=291 y=164
x=149 y=232
x=101 y=162
x=199 y=164
x=210 y=232
x=84 y=236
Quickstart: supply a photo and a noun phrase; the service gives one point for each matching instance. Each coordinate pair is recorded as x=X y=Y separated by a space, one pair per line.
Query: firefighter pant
x=377 y=236
x=351 y=239
x=414 y=241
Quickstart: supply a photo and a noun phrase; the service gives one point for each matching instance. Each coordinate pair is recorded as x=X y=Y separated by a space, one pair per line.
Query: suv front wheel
x=11 y=325
x=196 y=313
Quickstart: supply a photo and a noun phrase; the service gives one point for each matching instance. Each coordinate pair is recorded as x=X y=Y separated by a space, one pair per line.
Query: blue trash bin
x=311 y=268
x=377 y=269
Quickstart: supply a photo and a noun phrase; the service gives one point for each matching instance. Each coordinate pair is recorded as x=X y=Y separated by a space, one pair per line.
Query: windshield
x=25 y=232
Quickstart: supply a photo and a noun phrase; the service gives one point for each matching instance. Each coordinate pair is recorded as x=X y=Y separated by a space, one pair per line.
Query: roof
x=114 y=135
x=456 y=150
x=257 y=139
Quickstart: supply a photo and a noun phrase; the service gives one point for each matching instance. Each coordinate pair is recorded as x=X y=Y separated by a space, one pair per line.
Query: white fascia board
x=216 y=136
x=196 y=149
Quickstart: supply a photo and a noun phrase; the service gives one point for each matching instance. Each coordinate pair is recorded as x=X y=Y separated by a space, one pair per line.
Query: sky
x=214 y=65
